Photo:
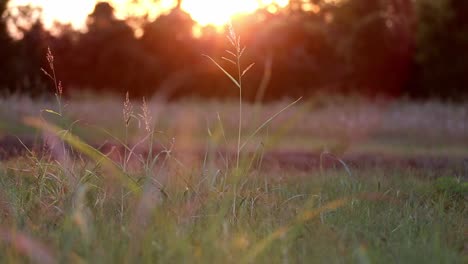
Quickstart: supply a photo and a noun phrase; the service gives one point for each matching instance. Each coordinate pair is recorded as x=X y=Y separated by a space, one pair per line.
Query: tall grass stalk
x=234 y=57
x=64 y=156
x=57 y=84
x=127 y=116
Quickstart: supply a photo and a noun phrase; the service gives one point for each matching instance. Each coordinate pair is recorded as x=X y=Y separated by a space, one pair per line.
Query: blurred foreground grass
x=392 y=216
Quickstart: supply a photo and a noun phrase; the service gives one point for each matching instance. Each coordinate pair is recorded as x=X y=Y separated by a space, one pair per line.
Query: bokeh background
x=396 y=48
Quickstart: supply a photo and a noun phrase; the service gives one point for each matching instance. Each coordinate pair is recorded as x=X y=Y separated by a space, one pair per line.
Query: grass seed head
x=127 y=110
x=146 y=115
x=50 y=58
x=59 y=91
x=232 y=36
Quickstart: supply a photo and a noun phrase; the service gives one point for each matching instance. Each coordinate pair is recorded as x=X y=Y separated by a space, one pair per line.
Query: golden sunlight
x=72 y=12
x=204 y=12
x=219 y=12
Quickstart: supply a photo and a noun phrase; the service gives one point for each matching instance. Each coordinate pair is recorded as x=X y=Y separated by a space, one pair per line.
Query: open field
x=340 y=125
x=330 y=180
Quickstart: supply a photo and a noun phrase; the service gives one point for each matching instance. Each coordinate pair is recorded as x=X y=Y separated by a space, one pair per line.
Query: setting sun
x=204 y=12
x=219 y=12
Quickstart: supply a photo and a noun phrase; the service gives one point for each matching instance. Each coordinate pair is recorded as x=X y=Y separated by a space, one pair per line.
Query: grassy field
x=396 y=216
x=343 y=124
x=153 y=199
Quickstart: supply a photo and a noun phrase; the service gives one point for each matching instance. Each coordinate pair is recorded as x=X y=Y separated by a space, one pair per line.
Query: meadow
x=95 y=185
x=89 y=179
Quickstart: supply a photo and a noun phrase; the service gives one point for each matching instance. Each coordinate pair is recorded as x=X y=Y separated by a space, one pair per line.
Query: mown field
x=329 y=180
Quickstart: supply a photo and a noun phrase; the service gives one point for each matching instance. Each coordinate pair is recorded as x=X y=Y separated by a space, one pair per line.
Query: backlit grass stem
x=234 y=57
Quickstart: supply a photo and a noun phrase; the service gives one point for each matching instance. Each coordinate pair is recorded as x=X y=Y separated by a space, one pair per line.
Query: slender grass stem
x=240 y=107
x=125 y=150
x=236 y=56
x=267 y=122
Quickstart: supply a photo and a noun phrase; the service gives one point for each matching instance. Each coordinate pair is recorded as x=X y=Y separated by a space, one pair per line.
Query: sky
x=205 y=12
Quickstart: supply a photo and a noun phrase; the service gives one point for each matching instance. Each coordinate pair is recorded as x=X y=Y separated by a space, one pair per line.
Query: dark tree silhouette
x=371 y=47
x=6 y=50
x=442 y=52
x=111 y=58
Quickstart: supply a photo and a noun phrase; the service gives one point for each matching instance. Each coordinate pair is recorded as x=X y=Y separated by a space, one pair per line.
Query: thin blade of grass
x=242 y=51
x=231 y=53
x=229 y=60
x=52 y=112
x=247 y=69
x=348 y=171
x=224 y=71
x=268 y=121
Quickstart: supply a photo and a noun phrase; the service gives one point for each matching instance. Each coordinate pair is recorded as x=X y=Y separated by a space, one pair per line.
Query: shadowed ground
x=11 y=148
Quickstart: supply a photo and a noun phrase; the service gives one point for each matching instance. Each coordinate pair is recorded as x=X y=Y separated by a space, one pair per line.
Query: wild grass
x=358 y=125
x=236 y=56
x=144 y=202
x=383 y=217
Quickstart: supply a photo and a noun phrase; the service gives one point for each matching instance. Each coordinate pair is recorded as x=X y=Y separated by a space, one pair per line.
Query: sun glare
x=204 y=12
x=219 y=12
x=70 y=12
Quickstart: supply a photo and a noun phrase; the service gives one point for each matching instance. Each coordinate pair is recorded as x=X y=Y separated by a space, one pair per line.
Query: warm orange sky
x=214 y=12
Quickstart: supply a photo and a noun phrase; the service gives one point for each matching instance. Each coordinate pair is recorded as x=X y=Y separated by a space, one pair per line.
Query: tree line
x=369 y=47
